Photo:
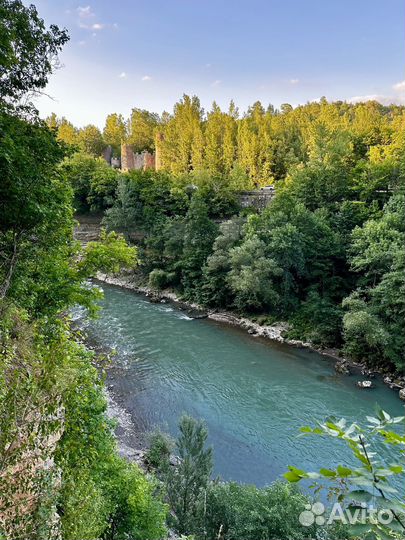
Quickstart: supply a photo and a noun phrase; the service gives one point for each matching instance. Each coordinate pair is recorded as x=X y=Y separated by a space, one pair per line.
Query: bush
x=236 y=511
x=160 y=447
x=318 y=320
x=158 y=279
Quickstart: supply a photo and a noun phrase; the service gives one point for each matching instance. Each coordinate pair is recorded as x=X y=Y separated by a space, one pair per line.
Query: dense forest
x=327 y=254
x=60 y=472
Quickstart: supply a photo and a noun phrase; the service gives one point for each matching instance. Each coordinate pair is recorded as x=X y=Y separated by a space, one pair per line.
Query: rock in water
x=342 y=367
x=364 y=384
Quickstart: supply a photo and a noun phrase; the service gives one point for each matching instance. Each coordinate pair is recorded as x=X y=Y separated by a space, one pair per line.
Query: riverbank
x=275 y=332
x=129 y=430
x=253 y=393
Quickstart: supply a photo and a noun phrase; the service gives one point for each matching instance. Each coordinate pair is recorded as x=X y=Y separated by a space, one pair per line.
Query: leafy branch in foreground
x=371 y=482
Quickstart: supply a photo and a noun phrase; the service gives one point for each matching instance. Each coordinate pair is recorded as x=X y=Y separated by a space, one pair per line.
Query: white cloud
x=85 y=12
x=367 y=97
x=384 y=100
x=82 y=43
x=146 y=78
x=208 y=65
x=399 y=87
x=122 y=75
x=216 y=83
x=294 y=81
x=397 y=97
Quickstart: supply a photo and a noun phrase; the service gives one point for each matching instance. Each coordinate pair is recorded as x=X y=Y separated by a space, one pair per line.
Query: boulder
x=368 y=373
x=365 y=384
x=342 y=367
x=402 y=393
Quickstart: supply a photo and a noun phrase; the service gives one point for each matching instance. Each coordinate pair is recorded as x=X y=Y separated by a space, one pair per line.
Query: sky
x=147 y=54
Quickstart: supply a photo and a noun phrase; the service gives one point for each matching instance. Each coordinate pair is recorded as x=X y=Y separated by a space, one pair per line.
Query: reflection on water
x=253 y=394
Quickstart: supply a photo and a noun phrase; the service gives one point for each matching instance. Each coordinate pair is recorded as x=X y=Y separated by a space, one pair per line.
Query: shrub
x=158 y=279
x=160 y=447
x=236 y=511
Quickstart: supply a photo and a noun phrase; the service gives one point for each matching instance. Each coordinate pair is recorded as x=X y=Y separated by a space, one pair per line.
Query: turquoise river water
x=254 y=394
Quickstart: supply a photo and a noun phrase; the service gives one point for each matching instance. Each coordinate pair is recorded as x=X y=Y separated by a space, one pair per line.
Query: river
x=253 y=394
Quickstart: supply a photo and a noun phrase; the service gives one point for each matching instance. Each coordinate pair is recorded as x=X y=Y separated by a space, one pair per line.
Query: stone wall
x=148 y=161
x=136 y=161
x=107 y=154
x=127 y=158
x=258 y=198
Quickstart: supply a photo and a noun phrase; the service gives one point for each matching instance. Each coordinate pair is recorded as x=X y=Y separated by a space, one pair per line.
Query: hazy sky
x=143 y=53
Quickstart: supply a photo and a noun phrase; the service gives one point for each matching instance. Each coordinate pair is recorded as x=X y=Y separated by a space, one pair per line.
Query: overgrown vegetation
x=327 y=254
x=213 y=509
x=60 y=472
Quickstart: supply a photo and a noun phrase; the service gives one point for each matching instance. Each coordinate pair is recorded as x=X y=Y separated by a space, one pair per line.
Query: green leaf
x=328 y=473
x=396 y=469
x=344 y=472
x=291 y=477
x=294 y=474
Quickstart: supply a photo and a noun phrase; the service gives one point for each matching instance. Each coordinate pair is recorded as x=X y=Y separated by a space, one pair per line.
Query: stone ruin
x=138 y=161
x=107 y=154
x=131 y=160
x=257 y=198
x=113 y=161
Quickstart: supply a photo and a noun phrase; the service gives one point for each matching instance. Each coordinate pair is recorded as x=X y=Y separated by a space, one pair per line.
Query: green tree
x=182 y=146
x=94 y=182
x=252 y=274
x=141 y=130
x=199 y=235
x=374 y=321
x=67 y=133
x=28 y=51
x=91 y=141
x=33 y=198
x=115 y=132
x=216 y=290
x=186 y=484
x=237 y=511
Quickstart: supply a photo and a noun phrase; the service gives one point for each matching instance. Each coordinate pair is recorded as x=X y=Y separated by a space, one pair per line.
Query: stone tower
x=127 y=157
x=149 y=161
